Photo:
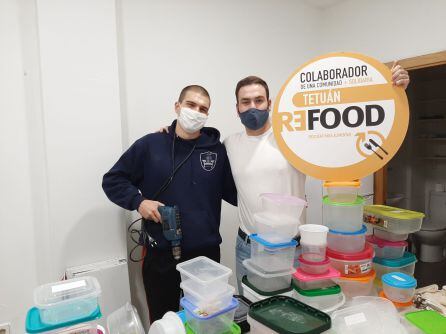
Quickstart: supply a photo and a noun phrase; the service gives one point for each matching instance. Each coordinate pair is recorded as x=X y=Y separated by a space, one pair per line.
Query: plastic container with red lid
x=314 y=268
x=352 y=264
x=309 y=282
x=387 y=249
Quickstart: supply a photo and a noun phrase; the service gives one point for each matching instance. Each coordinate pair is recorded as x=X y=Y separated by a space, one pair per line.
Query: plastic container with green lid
x=327 y=299
x=394 y=220
x=343 y=216
x=430 y=322
x=235 y=329
x=286 y=315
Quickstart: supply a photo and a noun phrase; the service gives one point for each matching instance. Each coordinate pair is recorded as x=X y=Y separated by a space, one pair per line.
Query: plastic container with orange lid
x=346 y=191
x=357 y=286
x=397 y=305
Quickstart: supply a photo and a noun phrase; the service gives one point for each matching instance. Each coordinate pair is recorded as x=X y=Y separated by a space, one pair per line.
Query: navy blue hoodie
x=197 y=188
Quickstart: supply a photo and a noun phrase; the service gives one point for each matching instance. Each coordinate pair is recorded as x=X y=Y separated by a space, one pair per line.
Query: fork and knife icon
x=376 y=145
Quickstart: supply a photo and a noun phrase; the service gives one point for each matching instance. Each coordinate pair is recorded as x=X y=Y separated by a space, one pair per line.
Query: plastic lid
x=304 y=277
x=197 y=314
x=359 y=201
x=311 y=263
x=430 y=322
x=406 y=259
x=391 y=212
x=367 y=253
x=66 y=291
x=399 y=280
x=242 y=309
x=255 y=237
x=362 y=279
x=329 y=184
x=203 y=270
x=182 y=315
x=286 y=315
x=385 y=243
x=363 y=230
x=397 y=305
x=34 y=324
x=266 y=274
x=264 y=293
x=332 y=290
x=171 y=323
x=190 y=288
x=235 y=329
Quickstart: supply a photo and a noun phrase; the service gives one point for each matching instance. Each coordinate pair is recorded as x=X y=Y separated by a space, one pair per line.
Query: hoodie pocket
x=199 y=229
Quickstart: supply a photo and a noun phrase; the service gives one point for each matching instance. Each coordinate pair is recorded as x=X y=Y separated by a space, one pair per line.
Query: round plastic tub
x=352 y=264
x=327 y=300
x=399 y=287
x=170 y=323
x=208 y=302
x=383 y=234
x=394 y=220
x=125 y=320
x=235 y=329
x=314 y=268
x=254 y=295
x=387 y=249
x=356 y=286
x=313 y=239
x=272 y=257
x=204 y=276
x=405 y=264
x=68 y=300
x=343 y=217
x=347 y=242
x=274 y=228
x=310 y=282
x=217 y=323
x=267 y=281
x=342 y=191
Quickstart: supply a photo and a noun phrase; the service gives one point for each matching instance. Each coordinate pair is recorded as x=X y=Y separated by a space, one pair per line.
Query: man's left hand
x=400 y=77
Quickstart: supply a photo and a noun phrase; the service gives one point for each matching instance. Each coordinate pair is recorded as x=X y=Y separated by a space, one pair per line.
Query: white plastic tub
x=352 y=264
x=209 y=302
x=314 y=268
x=357 y=286
x=169 y=324
x=267 y=281
x=217 y=323
x=347 y=242
x=385 y=235
x=399 y=287
x=313 y=239
x=387 y=249
x=343 y=217
x=405 y=264
x=204 y=275
x=68 y=300
x=342 y=191
x=272 y=257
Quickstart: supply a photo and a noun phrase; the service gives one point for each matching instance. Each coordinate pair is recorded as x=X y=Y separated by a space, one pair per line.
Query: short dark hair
x=194 y=88
x=251 y=80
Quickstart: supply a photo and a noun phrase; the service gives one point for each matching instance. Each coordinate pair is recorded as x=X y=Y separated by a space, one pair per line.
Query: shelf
x=431 y=101
x=432 y=158
x=430 y=120
x=430 y=139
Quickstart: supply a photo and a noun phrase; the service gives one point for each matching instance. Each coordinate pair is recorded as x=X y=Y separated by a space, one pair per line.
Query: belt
x=246 y=239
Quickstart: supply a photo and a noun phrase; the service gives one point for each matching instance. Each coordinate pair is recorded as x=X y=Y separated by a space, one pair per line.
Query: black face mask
x=253 y=118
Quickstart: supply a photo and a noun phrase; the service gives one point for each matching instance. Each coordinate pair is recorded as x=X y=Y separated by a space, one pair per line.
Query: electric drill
x=171 y=224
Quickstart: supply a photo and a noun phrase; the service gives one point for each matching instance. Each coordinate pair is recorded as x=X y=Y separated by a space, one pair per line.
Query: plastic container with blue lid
x=202 y=323
x=399 y=287
x=272 y=257
x=404 y=264
x=347 y=242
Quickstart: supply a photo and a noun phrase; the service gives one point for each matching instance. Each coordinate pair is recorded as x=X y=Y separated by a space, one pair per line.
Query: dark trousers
x=162 y=280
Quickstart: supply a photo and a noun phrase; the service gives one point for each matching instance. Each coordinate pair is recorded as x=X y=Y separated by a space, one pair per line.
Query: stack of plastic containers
x=208 y=298
x=69 y=306
x=348 y=250
x=391 y=227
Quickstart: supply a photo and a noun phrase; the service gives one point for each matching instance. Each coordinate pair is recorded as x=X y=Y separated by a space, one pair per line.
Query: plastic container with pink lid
x=387 y=249
x=352 y=264
x=314 y=268
x=309 y=282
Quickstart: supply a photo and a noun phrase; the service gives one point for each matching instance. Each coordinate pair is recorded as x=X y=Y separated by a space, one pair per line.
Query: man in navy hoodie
x=142 y=180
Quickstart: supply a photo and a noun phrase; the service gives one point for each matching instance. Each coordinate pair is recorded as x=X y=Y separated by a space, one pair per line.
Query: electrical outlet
x=4 y=328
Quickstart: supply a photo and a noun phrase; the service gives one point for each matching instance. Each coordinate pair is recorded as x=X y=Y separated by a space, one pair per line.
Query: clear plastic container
x=276 y=229
x=202 y=323
x=387 y=249
x=405 y=264
x=170 y=323
x=209 y=302
x=282 y=205
x=310 y=282
x=347 y=242
x=343 y=217
x=399 y=287
x=204 y=276
x=313 y=253
x=67 y=300
x=352 y=264
x=357 y=286
x=342 y=191
x=267 y=281
x=314 y=268
x=327 y=300
x=394 y=220
x=272 y=257
x=125 y=320
x=313 y=239
x=254 y=295
x=383 y=234
x=235 y=329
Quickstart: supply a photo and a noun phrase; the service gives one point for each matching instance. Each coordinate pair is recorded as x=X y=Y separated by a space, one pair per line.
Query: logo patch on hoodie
x=208 y=160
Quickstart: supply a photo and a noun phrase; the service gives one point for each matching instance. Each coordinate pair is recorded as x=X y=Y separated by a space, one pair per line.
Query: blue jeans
x=242 y=252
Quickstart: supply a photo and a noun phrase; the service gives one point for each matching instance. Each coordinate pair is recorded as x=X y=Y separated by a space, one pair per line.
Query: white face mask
x=190 y=120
